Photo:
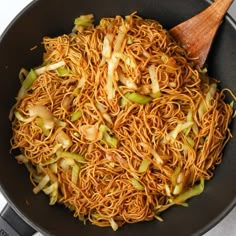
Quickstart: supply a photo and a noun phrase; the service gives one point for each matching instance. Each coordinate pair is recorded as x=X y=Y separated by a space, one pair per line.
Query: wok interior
x=54 y=18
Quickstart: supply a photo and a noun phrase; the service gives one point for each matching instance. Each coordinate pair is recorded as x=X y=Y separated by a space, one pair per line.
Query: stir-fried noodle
x=118 y=124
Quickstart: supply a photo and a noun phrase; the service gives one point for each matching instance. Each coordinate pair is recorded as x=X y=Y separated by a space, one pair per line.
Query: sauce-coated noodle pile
x=117 y=123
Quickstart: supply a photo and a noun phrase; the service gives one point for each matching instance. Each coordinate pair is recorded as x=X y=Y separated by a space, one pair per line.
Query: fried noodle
x=125 y=127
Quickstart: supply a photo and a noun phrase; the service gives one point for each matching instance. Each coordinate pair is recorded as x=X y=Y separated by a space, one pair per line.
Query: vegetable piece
x=232 y=104
x=145 y=89
x=76 y=115
x=81 y=84
x=23 y=74
x=21 y=159
x=75 y=173
x=206 y=103
x=59 y=122
x=40 y=123
x=158 y=218
x=155 y=84
x=144 y=165
x=113 y=224
x=114 y=61
x=49 y=67
x=123 y=102
x=153 y=152
x=63 y=139
x=44 y=181
x=71 y=155
x=107 y=45
x=105 y=115
x=126 y=59
x=189 y=118
x=41 y=111
x=167 y=188
x=53 y=198
x=91 y=132
x=62 y=71
x=138 y=98
x=53 y=168
x=111 y=141
x=136 y=184
x=164 y=58
x=194 y=191
x=190 y=141
x=67 y=163
x=180 y=127
x=156 y=156
x=107 y=118
x=66 y=102
x=211 y=93
x=169 y=61
x=178 y=189
x=112 y=65
x=22 y=118
x=44 y=113
x=26 y=84
x=128 y=82
x=84 y=20
x=81 y=217
x=53 y=187
x=103 y=128
x=174 y=176
x=129 y=40
x=201 y=109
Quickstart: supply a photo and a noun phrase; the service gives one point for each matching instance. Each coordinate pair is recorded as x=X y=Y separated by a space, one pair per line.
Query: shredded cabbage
x=127 y=81
x=63 y=71
x=111 y=141
x=49 y=67
x=21 y=158
x=26 y=84
x=91 y=132
x=136 y=184
x=138 y=98
x=206 y=103
x=75 y=173
x=179 y=128
x=113 y=224
x=44 y=181
x=107 y=46
x=71 y=155
x=155 y=84
x=126 y=59
x=22 y=118
x=144 y=165
x=40 y=123
x=63 y=139
x=114 y=61
x=84 y=20
x=194 y=191
x=44 y=113
x=76 y=115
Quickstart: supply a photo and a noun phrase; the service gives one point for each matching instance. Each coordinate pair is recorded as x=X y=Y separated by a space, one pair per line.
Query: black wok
x=55 y=17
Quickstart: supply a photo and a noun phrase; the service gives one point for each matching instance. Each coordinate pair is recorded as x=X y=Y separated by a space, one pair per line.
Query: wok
x=56 y=17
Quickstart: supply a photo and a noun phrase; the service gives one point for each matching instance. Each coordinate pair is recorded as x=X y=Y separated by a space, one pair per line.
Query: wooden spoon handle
x=197 y=33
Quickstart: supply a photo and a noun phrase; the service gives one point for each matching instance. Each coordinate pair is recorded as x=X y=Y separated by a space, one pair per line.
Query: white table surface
x=10 y=8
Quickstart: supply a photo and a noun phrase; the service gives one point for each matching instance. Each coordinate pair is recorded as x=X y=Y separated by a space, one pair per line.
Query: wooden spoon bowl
x=197 y=33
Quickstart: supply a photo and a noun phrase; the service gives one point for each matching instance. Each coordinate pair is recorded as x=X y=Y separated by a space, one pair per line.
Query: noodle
x=125 y=127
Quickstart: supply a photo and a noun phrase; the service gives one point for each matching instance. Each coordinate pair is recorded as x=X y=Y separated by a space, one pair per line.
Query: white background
x=10 y=8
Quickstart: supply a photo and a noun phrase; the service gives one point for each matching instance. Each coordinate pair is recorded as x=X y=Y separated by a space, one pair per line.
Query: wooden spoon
x=197 y=33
